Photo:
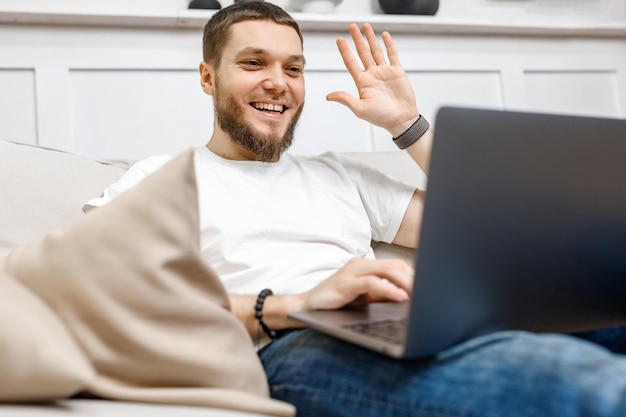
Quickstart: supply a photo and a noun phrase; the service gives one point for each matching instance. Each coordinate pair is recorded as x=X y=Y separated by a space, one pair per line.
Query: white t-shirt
x=289 y=225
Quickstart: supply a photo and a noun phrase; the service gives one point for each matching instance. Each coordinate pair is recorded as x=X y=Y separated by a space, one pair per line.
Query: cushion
x=128 y=282
x=45 y=189
x=90 y=407
x=135 y=174
x=39 y=359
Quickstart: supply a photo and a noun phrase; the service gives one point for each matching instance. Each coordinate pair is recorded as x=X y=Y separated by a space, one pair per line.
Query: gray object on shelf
x=416 y=7
x=205 y=4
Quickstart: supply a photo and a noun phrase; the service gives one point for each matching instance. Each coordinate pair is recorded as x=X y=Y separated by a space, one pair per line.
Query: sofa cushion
x=44 y=189
x=128 y=282
x=103 y=408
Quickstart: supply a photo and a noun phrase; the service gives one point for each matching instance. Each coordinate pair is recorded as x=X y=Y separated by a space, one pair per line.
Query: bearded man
x=290 y=233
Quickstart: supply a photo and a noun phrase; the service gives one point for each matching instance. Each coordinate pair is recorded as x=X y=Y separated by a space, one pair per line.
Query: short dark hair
x=217 y=29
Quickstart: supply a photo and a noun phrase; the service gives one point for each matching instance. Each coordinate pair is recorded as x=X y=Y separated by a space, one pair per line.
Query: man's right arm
x=359 y=281
x=275 y=310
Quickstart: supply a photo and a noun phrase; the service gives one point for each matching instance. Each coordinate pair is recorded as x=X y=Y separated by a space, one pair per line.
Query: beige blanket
x=121 y=305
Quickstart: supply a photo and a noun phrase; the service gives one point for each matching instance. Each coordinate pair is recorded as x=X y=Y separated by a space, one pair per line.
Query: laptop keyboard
x=393 y=331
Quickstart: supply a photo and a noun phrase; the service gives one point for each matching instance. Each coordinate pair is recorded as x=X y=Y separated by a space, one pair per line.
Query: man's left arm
x=409 y=230
x=386 y=99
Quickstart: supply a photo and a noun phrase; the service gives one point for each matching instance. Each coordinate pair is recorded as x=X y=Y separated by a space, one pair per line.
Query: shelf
x=194 y=19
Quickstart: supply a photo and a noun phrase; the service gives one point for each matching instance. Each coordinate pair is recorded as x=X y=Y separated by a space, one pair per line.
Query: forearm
x=421 y=145
x=421 y=149
x=275 y=310
x=370 y=279
x=409 y=231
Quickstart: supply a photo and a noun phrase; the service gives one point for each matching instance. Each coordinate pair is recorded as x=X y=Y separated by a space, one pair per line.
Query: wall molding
x=193 y=19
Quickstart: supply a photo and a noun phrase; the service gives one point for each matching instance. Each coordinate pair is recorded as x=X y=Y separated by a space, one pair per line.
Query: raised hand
x=386 y=98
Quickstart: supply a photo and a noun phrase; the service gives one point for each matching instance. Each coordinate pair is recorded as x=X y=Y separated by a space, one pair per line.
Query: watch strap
x=413 y=133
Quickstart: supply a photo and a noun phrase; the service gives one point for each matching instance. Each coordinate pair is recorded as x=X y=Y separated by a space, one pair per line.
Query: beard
x=264 y=147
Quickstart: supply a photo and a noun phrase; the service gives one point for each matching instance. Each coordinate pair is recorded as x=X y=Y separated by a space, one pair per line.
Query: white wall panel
x=18 y=118
x=137 y=113
x=53 y=106
x=327 y=125
x=583 y=93
x=459 y=88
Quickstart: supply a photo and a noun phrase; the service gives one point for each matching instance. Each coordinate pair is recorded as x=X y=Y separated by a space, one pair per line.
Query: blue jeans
x=499 y=375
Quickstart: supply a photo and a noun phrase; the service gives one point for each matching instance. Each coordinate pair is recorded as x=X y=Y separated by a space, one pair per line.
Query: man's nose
x=275 y=80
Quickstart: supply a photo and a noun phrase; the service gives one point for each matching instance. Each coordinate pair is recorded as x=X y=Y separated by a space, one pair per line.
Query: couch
x=43 y=229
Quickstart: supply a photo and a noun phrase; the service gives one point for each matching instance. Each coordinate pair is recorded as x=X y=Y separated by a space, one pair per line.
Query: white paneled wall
x=114 y=90
x=594 y=93
x=554 y=10
x=142 y=109
x=17 y=104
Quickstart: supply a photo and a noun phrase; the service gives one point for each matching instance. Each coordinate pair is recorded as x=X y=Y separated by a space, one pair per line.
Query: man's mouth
x=268 y=107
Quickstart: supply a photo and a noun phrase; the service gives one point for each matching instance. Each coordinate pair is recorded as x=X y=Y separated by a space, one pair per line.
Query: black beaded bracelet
x=258 y=312
x=413 y=133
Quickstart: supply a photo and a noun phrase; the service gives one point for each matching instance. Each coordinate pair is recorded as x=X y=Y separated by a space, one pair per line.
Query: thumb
x=344 y=98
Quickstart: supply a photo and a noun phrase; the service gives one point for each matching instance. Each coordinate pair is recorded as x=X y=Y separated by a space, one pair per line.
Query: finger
x=352 y=65
x=378 y=289
x=375 y=50
x=361 y=46
x=373 y=279
x=392 y=52
x=397 y=271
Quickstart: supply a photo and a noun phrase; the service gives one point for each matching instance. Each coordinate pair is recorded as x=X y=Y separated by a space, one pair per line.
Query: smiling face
x=258 y=91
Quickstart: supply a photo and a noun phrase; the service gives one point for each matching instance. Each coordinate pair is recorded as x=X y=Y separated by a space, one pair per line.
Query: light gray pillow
x=44 y=189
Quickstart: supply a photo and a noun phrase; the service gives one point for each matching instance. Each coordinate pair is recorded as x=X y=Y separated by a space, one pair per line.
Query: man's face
x=259 y=88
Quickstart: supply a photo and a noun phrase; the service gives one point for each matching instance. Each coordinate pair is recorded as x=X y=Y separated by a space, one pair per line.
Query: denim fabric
x=503 y=374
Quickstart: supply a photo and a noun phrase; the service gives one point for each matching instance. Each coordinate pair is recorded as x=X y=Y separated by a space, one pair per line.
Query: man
x=302 y=227
x=254 y=69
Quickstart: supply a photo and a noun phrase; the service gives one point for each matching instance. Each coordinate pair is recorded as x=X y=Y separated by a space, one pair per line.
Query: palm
x=383 y=91
x=386 y=96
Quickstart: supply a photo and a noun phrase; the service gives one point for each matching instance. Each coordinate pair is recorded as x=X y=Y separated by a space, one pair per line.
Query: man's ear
x=207 y=79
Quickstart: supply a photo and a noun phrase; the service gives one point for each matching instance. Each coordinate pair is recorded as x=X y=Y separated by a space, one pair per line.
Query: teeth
x=269 y=107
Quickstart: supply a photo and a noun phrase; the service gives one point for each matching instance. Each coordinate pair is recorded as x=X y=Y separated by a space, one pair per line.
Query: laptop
x=524 y=228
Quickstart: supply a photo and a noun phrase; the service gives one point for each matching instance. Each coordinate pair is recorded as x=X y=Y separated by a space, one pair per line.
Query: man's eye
x=252 y=63
x=294 y=70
